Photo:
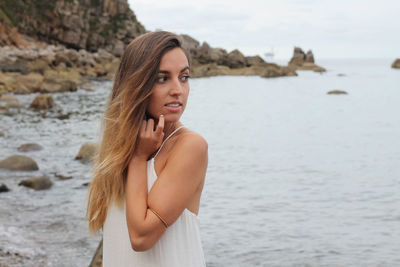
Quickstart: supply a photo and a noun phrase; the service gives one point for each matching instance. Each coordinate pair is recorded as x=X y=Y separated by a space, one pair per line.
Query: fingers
x=150 y=126
x=160 y=125
x=143 y=127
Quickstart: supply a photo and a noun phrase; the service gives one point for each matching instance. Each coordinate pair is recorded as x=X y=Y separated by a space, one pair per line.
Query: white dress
x=179 y=246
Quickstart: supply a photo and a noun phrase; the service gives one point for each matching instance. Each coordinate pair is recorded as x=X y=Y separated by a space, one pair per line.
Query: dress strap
x=162 y=144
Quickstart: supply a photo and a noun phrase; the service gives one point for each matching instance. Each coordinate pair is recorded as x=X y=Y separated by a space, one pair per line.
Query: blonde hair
x=126 y=108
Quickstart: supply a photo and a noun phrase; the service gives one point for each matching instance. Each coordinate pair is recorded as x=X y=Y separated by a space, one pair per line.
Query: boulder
x=396 y=64
x=32 y=81
x=62 y=177
x=37 y=183
x=309 y=57
x=303 y=61
x=86 y=153
x=42 y=102
x=1 y=133
x=250 y=61
x=19 y=163
x=60 y=81
x=11 y=101
x=337 y=92
x=9 y=82
x=29 y=147
x=39 y=65
x=235 y=59
x=298 y=57
x=3 y=188
x=206 y=54
x=190 y=44
x=14 y=65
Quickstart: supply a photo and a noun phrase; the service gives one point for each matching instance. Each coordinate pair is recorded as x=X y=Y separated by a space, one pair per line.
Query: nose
x=176 y=87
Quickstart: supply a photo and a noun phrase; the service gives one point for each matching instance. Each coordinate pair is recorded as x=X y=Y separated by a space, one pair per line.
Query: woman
x=150 y=169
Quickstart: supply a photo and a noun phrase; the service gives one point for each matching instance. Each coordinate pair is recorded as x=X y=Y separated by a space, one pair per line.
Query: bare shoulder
x=191 y=141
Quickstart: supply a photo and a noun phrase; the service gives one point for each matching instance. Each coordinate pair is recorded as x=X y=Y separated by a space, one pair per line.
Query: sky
x=330 y=28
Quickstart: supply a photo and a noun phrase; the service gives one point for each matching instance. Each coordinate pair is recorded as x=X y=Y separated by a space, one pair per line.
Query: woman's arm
x=183 y=173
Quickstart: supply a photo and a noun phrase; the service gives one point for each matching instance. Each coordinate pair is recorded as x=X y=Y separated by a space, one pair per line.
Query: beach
x=296 y=177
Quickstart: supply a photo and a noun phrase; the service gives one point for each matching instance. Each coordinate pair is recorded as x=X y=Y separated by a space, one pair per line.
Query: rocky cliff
x=53 y=46
x=78 y=24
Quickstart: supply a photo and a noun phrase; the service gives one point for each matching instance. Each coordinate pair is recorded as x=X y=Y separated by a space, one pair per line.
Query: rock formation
x=84 y=24
x=304 y=61
x=396 y=64
x=56 y=46
x=207 y=61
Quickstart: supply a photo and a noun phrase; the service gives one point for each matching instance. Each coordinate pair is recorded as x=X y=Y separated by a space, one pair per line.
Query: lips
x=174 y=104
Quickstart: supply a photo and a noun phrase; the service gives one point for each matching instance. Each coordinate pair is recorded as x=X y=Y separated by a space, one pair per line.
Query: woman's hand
x=149 y=140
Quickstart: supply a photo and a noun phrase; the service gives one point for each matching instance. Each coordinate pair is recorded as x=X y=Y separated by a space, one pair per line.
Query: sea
x=296 y=176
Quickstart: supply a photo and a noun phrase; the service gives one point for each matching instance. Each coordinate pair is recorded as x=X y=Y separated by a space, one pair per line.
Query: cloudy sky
x=330 y=28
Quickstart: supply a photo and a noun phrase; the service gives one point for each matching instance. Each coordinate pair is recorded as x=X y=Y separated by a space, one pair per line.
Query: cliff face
x=79 y=24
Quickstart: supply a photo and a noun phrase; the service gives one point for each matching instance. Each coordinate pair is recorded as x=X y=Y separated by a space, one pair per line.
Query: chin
x=172 y=117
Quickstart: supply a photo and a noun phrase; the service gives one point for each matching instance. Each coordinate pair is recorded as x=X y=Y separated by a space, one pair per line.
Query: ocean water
x=296 y=177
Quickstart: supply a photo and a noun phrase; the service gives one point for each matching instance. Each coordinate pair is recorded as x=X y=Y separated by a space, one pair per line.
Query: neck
x=169 y=127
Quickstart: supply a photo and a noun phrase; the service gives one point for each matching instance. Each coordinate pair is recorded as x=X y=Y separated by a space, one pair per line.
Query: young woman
x=150 y=169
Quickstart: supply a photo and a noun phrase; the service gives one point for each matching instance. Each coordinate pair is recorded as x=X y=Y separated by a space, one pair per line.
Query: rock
x=61 y=57
x=8 y=82
x=11 y=101
x=42 y=102
x=298 y=57
x=396 y=64
x=250 y=61
x=206 y=54
x=37 y=183
x=33 y=81
x=190 y=44
x=337 y=92
x=266 y=70
x=1 y=133
x=341 y=75
x=85 y=24
x=3 y=188
x=19 y=163
x=207 y=70
x=29 y=147
x=62 y=177
x=86 y=153
x=55 y=87
x=303 y=61
x=60 y=81
x=235 y=59
x=39 y=65
x=16 y=65
x=309 y=57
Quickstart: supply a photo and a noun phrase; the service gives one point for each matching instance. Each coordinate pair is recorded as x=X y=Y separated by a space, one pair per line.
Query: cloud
x=257 y=25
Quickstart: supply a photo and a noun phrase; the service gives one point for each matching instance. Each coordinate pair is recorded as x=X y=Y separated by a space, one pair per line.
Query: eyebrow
x=166 y=72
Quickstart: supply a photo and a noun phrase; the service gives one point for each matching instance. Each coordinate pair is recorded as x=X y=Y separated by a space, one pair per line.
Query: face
x=171 y=90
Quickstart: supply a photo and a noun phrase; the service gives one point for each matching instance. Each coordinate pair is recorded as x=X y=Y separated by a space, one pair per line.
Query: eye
x=185 y=78
x=161 y=79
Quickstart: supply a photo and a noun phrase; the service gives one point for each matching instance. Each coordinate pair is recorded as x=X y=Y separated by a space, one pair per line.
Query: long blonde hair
x=126 y=108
